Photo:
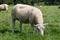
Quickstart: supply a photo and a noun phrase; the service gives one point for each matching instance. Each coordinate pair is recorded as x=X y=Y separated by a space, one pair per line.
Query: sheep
x=29 y=15
x=4 y=7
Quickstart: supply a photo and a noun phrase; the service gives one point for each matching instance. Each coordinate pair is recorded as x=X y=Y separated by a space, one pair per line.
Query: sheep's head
x=40 y=28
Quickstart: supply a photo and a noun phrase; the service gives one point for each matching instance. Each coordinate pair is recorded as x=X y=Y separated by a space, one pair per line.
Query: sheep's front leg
x=13 y=25
x=20 y=27
x=32 y=28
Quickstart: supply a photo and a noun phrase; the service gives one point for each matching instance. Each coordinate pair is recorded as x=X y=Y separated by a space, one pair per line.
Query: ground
x=51 y=16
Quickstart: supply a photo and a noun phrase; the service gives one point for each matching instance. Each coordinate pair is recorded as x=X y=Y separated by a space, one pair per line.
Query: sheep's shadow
x=59 y=7
x=6 y=30
x=15 y=32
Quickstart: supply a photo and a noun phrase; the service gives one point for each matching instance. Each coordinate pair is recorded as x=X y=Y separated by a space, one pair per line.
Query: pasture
x=51 y=15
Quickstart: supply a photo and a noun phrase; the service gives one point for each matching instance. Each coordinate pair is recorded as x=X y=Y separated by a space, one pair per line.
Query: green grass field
x=51 y=15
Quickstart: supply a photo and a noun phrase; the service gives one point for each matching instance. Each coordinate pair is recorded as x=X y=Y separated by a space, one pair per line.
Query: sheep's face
x=40 y=28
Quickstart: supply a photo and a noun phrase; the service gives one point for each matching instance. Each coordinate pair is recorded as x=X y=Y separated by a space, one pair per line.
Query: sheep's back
x=26 y=13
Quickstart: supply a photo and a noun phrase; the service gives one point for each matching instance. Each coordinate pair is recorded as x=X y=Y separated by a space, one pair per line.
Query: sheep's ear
x=42 y=24
x=45 y=24
x=35 y=25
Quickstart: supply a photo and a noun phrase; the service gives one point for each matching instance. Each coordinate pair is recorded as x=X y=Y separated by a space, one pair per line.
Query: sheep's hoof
x=12 y=31
x=20 y=31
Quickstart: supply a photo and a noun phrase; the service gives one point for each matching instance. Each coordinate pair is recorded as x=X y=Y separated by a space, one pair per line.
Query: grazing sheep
x=28 y=14
x=3 y=7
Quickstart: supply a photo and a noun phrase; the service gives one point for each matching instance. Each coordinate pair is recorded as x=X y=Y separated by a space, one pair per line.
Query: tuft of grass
x=51 y=15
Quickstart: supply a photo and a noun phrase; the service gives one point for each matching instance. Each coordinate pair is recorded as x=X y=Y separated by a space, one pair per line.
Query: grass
x=51 y=15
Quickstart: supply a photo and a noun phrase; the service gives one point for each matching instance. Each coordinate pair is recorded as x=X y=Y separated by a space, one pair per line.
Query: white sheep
x=28 y=14
x=3 y=7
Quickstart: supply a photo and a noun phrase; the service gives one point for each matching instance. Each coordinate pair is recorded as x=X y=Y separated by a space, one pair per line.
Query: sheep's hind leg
x=13 y=25
x=20 y=27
